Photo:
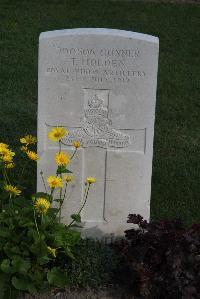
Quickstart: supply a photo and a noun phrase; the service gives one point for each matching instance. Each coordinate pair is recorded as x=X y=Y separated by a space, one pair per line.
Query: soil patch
x=112 y=292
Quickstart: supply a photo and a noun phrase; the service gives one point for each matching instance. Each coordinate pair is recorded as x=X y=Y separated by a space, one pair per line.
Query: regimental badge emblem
x=97 y=129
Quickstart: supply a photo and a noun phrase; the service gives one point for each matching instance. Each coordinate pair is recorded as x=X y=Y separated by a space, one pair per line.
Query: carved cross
x=99 y=143
x=98 y=140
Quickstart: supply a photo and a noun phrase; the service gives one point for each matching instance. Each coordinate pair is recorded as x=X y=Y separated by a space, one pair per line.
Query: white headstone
x=101 y=85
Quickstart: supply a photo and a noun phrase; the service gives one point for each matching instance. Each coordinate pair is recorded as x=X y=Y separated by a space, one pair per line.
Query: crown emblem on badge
x=95 y=102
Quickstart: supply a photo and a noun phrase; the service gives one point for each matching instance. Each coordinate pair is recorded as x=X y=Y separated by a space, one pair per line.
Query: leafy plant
x=32 y=237
x=161 y=259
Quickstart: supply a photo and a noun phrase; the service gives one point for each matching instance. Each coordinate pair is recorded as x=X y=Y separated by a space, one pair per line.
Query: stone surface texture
x=100 y=84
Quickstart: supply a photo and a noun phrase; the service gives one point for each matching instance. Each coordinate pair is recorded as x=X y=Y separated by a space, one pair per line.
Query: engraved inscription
x=133 y=53
x=98 y=65
x=96 y=129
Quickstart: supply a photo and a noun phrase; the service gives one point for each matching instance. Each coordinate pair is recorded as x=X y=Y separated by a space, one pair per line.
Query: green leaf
x=52 y=213
x=57 y=277
x=23 y=202
x=69 y=253
x=43 y=260
x=66 y=237
x=39 y=248
x=26 y=223
x=21 y=265
x=31 y=288
x=4 y=232
x=76 y=217
x=20 y=283
x=72 y=237
x=11 y=250
x=14 y=250
x=46 y=221
x=63 y=169
x=6 y=266
x=67 y=171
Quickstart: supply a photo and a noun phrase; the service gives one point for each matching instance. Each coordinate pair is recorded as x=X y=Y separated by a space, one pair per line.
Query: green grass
x=176 y=164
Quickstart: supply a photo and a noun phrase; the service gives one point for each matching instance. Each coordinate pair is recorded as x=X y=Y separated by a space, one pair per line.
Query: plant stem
x=6 y=175
x=85 y=196
x=65 y=191
x=22 y=173
x=85 y=199
x=60 y=202
x=72 y=156
x=36 y=224
x=52 y=190
x=59 y=146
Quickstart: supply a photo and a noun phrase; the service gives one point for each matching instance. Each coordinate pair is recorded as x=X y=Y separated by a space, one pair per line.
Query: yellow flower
x=11 y=153
x=57 y=133
x=6 y=155
x=3 y=147
x=62 y=159
x=42 y=205
x=55 y=182
x=52 y=251
x=32 y=155
x=90 y=180
x=23 y=140
x=6 y=152
x=68 y=178
x=3 y=150
x=7 y=158
x=12 y=190
x=76 y=144
x=10 y=165
x=28 y=139
x=24 y=149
